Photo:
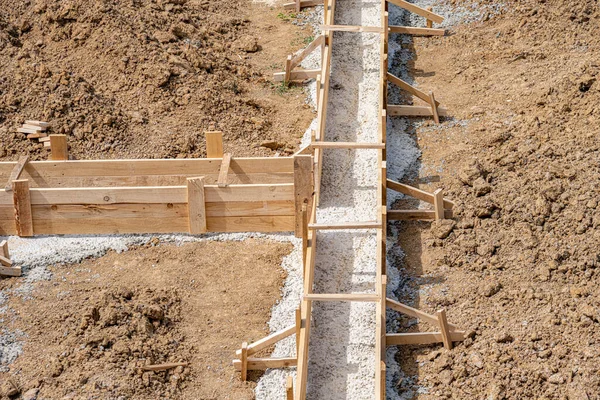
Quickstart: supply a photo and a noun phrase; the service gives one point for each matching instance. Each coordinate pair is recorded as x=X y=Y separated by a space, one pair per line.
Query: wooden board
x=418 y=10
x=16 y=172
x=303 y=187
x=415 y=111
x=214 y=144
x=59 y=148
x=368 y=297
x=409 y=88
x=264 y=363
x=224 y=170
x=352 y=28
x=297 y=75
x=410 y=30
x=22 y=207
x=303 y=3
x=416 y=215
x=196 y=205
x=41 y=124
x=393 y=339
x=416 y=193
x=297 y=59
x=269 y=340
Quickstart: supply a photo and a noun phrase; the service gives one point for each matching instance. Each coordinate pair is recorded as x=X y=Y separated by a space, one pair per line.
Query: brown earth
x=93 y=325
x=520 y=157
x=145 y=78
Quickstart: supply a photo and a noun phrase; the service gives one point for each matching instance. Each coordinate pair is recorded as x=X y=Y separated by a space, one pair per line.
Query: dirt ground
x=520 y=157
x=145 y=78
x=93 y=325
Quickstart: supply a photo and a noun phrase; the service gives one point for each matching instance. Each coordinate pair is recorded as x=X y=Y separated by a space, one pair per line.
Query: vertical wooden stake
x=289 y=388
x=58 y=148
x=434 y=109
x=244 y=359
x=4 y=249
x=441 y=314
x=214 y=144
x=438 y=204
x=304 y=235
x=297 y=6
x=196 y=205
x=288 y=69
x=429 y=22
x=302 y=187
x=383 y=376
x=318 y=83
x=22 y=204
x=225 y=163
x=298 y=327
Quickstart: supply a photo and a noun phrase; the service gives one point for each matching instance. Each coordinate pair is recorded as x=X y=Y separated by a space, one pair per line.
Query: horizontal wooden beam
x=345 y=225
x=416 y=313
x=410 y=30
x=352 y=28
x=418 y=10
x=417 y=193
x=346 y=145
x=10 y=271
x=341 y=297
x=415 y=215
x=414 y=111
x=264 y=363
x=268 y=341
x=303 y=3
x=394 y=339
x=297 y=75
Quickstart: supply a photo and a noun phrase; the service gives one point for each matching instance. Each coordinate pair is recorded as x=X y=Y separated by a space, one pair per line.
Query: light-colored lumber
x=163 y=367
x=434 y=108
x=416 y=215
x=409 y=88
x=4 y=249
x=418 y=10
x=438 y=204
x=244 y=361
x=298 y=6
x=268 y=340
x=44 y=140
x=289 y=383
x=16 y=172
x=22 y=207
x=304 y=150
x=28 y=130
x=6 y=261
x=445 y=331
x=264 y=363
x=304 y=234
x=352 y=28
x=58 y=148
x=33 y=127
x=41 y=124
x=394 y=339
x=345 y=225
x=303 y=3
x=298 y=75
x=196 y=205
x=416 y=193
x=410 y=30
x=312 y=46
x=288 y=69
x=224 y=171
x=37 y=135
x=298 y=328
x=303 y=190
x=347 y=145
x=46 y=144
x=416 y=313
x=10 y=271
x=415 y=111
x=429 y=22
x=368 y=297
x=214 y=144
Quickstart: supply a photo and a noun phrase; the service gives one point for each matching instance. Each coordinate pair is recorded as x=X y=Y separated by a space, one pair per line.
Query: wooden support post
x=22 y=204
x=383 y=373
x=288 y=70
x=214 y=144
x=302 y=187
x=4 y=249
x=225 y=163
x=58 y=148
x=298 y=327
x=304 y=235
x=297 y=6
x=434 y=108
x=289 y=385
x=438 y=204
x=318 y=83
x=196 y=205
x=244 y=359
x=16 y=172
x=429 y=22
x=441 y=314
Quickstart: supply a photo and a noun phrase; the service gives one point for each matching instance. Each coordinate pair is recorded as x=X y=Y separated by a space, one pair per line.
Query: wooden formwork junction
x=447 y=333
x=217 y=194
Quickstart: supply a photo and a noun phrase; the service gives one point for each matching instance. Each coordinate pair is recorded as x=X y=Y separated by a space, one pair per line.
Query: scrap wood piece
x=418 y=10
x=163 y=367
x=27 y=130
x=41 y=124
x=225 y=164
x=16 y=172
x=214 y=144
x=34 y=127
x=58 y=147
x=38 y=135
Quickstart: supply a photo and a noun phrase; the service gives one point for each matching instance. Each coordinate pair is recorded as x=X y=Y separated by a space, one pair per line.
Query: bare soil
x=520 y=156
x=91 y=328
x=145 y=78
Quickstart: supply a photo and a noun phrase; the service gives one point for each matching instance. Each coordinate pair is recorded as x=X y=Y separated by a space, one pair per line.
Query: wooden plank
x=394 y=339
x=268 y=340
x=45 y=139
x=416 y=215
x=41 y=124
x=196 y=205
x=163 y=367
x=37 y=135
x=416 y=313
x=345 y=225
x=368 y=297
x=46 y=144
x=4 y=249
x=441 y=316
x=304 y=235
x=250 y=209
x=264 y=363
x=409 y=88
x=225 y=165
x=303 y=190
x=16 y=172
x=418 y=10
x=347 y=145
x=288 y=69
x=303 y=3
x=416 y=193
x=6 y=261
x=244 y=361
x=298 y=75
x=415 y=111
x=429 y=22
x=33 y=127
x=434 y=109
x=298 y=328
x=352 y=28
x=410 y=30
x=22 y=206
x=438 y=204
x=214 y=144
x=58 y=148
x=10 y=271
x=28 y=130
x=312 y=46
x=298 y=6
x=289 y=384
